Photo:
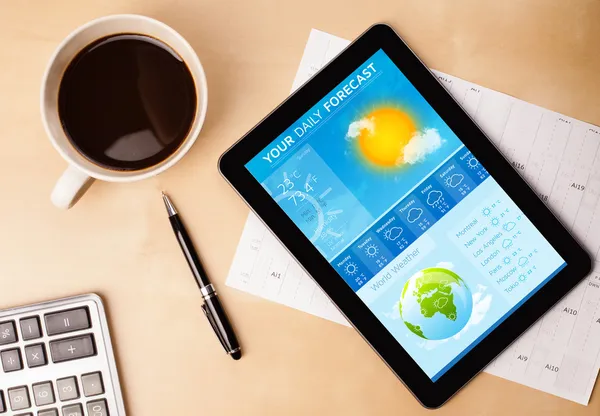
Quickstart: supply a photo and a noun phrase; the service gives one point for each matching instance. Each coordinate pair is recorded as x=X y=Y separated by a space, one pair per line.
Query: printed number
x=518 y=166
x=67 y=389
x=295 y=195
x=286 y=186
x=97 y=409
x=308 y=188
x=18 y=399
x=43 y=394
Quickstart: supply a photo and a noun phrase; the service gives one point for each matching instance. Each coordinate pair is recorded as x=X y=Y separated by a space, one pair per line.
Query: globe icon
x=435 y=303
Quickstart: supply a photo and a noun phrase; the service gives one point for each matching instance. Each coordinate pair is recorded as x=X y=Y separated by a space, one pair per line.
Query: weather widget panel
x=317 y=201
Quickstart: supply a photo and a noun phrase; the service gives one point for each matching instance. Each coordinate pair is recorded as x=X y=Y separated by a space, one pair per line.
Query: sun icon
x=495 y=221
x=472 y=162
x=371 y=250
x=486 y=212
x=351 y=269
x=388 y=133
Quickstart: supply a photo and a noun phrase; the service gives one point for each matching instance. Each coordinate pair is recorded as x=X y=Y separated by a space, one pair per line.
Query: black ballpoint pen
x=212 y=307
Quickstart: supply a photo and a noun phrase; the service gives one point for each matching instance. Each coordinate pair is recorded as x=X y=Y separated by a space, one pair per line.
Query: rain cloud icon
x=392 y=233
x=414 y=214
x=507 y=243
x=455 y=180
x=433 y=197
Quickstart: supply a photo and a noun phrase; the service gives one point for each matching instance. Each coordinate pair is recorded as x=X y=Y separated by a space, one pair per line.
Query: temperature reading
x=286 y=186
x=301 y=197
x=307 y=185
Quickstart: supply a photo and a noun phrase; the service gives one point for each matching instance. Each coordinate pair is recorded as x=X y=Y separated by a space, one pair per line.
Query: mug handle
x=70 y=187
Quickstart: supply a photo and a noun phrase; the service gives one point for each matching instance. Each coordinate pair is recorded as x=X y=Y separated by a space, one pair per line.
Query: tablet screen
x=406 y=215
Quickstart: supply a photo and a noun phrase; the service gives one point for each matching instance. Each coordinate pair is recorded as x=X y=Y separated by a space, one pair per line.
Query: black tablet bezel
x=232 y=166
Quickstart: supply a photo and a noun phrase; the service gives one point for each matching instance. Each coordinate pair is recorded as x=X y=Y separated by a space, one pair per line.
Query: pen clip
x=215 y=327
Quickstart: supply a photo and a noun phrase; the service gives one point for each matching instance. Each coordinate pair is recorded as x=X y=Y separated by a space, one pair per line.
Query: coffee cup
x=79 y=134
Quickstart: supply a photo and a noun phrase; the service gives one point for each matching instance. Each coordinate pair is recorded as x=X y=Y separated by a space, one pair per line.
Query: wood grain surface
x=117 y=241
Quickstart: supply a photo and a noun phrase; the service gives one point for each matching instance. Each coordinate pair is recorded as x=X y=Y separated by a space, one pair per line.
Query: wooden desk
x=117 y=241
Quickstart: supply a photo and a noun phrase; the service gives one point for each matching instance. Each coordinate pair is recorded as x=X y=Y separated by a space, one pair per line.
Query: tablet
x=405 y=214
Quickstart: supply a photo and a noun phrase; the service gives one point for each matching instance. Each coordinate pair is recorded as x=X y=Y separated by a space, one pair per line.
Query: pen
x=212 y=307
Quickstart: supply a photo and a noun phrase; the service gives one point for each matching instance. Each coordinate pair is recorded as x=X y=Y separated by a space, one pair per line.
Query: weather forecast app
x=406 y=215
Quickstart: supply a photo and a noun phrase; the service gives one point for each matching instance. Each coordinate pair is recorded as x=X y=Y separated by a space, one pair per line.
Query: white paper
x=558 y=156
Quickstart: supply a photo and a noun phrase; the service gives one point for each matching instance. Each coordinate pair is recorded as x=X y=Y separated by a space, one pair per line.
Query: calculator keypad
x=92 y=384
x=67 y=389
x=44 y=372
x=72 y=348
x=19 y=398
x=67 y=321
x=35 y=355
x=30 y=328
x=11 y=360
x=43 y=393
x=72 y=410
x=97 y=408
x=8 y=333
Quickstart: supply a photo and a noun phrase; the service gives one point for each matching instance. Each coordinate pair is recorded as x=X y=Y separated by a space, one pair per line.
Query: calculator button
x=67 y=321
x=8 y=334
x=97 y=408
x=19 y=398
x=67 y=389
x=30 y=328
x=25 y=414
x=92 y=384
x=72 y=410
x=11 y=360
x=2 y=405
x=72 y=348
x=35 y=355
x=43 y=393
x=48 y=412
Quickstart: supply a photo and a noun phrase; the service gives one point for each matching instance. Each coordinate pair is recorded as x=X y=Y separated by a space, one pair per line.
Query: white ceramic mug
x=81 y=172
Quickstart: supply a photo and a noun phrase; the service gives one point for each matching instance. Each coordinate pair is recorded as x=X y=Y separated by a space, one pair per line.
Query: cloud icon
x=392 y=233
x=414 y=214
x=523 y=261
x=507 y=243
x=455 y=180
x=509 y=226
x=433 y=197
x=355 y=127
x=421 y=145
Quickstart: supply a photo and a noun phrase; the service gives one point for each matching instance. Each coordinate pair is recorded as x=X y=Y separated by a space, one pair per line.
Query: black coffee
x=127 y=102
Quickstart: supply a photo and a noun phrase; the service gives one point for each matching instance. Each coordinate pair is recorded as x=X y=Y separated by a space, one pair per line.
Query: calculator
x=57 y=360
